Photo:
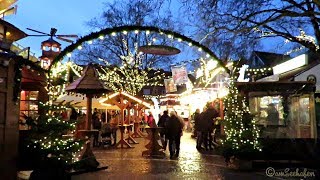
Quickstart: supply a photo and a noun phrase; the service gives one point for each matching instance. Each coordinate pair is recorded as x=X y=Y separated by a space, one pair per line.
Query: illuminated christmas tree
x=47 y=138
x=241 y=132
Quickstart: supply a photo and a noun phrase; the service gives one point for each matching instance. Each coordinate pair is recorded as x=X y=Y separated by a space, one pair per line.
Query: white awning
x=81 y=101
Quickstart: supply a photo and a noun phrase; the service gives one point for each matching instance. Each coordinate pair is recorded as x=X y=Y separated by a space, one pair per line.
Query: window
x=279 y=118
x=29 y=104
x=45 y=63
x=146 y=91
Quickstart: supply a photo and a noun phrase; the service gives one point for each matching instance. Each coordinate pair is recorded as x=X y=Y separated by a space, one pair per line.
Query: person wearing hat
x=273 y=115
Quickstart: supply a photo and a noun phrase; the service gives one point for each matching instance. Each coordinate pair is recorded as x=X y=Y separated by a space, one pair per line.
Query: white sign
x=290 y=64
x=242 y=73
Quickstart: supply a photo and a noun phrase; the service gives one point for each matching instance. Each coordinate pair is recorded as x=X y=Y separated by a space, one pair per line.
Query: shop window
x=28 y=105
x=279 y=118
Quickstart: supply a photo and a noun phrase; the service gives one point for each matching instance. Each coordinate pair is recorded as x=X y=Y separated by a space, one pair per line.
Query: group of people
x=107 y=126
x=172 y=129
x=204 y=123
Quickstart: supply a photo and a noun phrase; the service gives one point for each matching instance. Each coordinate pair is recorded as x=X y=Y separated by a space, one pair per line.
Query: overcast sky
x=68 y=16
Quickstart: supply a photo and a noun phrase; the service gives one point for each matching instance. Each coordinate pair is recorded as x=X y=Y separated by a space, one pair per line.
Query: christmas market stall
x=131 y=109
x=285 y=115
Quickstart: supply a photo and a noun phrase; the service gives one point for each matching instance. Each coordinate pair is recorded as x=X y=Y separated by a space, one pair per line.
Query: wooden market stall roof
x=88 y=83
x=80 y=101
x=115 y=97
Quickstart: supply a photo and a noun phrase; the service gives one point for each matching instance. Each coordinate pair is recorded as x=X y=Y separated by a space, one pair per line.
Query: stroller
x=106 y=131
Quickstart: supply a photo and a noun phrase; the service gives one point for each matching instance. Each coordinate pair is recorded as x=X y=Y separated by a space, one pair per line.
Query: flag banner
x=179 y=74
x=169 y=85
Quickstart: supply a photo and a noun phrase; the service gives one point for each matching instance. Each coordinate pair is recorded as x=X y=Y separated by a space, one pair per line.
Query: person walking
x=163 y=120
x=151 y=121
x=194 y=118
x=96 y=124
x=114 y=127
x=174 y=133
x=202 y=130
x=210 y=117
x=197 y=131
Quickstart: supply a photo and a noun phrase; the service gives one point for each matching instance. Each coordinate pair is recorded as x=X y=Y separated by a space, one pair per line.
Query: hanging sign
x=179 y=74
x=169 y=85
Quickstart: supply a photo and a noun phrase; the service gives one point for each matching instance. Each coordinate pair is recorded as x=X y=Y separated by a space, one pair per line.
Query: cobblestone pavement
x=130 y=164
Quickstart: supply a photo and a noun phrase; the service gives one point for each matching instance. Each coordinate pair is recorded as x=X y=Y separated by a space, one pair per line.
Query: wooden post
x=221 y=114
x=89 y=112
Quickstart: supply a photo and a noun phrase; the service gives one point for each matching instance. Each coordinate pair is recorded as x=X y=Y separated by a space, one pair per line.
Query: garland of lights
x=125 y=29
x=127 y=78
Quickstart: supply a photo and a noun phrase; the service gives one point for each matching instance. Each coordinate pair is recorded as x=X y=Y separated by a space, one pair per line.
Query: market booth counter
x=285 y=115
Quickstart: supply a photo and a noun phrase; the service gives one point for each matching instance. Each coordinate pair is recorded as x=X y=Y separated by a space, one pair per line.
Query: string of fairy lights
x=125 y=30
x=128 y=77
x=239 y=135
x=49 y=138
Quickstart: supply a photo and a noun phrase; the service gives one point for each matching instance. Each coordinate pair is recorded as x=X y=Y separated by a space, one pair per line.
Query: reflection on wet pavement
x=130 y=164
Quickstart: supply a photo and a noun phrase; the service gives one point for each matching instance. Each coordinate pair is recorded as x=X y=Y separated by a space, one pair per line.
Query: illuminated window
x=45 y=63
x=29 y=104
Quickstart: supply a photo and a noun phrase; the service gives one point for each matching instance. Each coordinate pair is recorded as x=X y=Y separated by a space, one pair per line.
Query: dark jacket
x=173 y=127
x=209 y=117
x=74 y=115
x=202 y=124
x=196 y=118
x=163 y=120
x=96 y=123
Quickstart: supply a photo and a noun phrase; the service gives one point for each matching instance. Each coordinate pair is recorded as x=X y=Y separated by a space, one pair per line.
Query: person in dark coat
x=103 y=117
x=96 y=124
x=196 y=117
x=210 y=116
x=162 y=123
x=74 y=114
x=202 y=130
x=173 y=132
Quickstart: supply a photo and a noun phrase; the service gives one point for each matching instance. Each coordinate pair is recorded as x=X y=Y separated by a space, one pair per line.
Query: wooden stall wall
x=9 y=115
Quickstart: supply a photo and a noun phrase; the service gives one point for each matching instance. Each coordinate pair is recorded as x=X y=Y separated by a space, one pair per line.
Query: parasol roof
x=88 y=83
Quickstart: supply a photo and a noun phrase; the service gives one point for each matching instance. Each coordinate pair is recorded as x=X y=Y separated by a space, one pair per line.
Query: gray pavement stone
x=129 y=164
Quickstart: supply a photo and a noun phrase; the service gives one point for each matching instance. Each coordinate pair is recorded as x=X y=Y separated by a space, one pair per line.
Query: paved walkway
x=129 y=164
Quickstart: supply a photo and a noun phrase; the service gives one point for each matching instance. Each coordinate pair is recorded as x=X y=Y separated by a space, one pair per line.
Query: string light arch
x=125 y=29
